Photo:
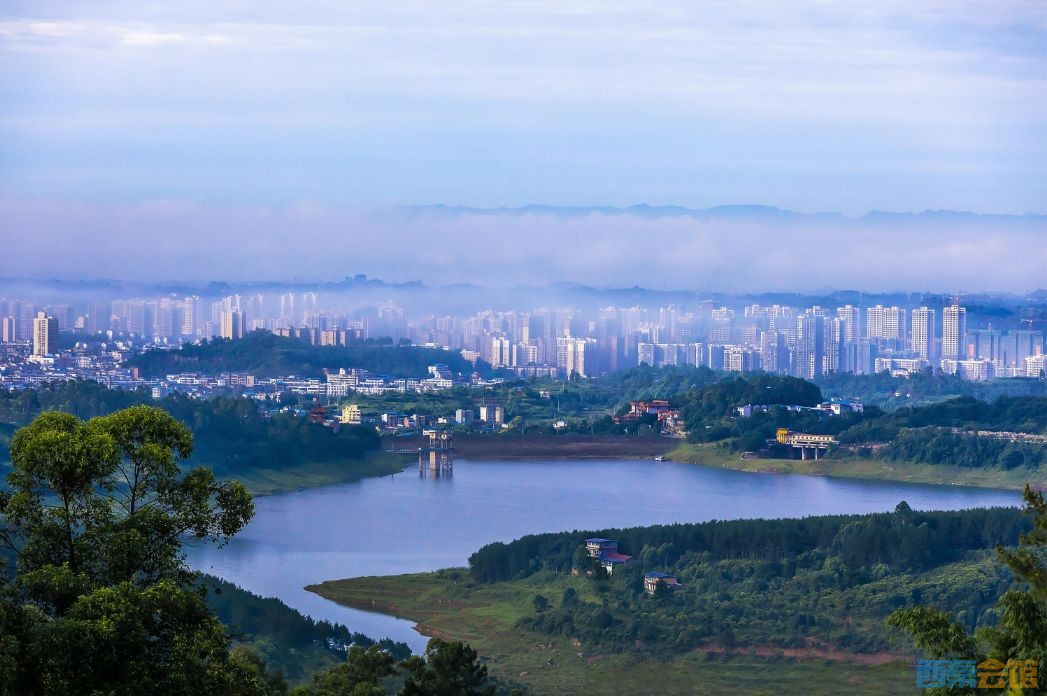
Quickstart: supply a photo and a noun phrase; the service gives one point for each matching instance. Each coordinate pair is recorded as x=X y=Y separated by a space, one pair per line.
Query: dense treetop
x=818 y=583
x=232 y=435
x=265 y=354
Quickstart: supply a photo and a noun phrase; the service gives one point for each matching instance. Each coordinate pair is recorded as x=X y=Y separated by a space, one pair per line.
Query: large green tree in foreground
x=1020 y=636
x=449 y=668
x=101 y=600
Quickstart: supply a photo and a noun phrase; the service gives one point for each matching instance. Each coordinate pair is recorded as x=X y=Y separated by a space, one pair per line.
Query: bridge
x=438 y=457
x=805 y=441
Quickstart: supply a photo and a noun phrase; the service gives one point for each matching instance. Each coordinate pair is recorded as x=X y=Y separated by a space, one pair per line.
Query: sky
x=234 y=124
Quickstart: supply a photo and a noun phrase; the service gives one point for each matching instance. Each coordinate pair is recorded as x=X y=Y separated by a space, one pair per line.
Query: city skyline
x=809 y=341
x=441 y=347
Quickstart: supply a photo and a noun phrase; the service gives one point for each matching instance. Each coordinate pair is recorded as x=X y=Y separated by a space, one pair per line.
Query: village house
x=605 y=551
x=653 y=579
x=668 y=418
x=596 y=547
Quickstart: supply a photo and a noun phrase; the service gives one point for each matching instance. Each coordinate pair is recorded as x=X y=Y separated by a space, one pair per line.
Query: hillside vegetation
x=784 y=583
x=265 y=354
x=233 y=437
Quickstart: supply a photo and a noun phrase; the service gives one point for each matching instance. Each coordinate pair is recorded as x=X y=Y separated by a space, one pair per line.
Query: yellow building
x=351 y=414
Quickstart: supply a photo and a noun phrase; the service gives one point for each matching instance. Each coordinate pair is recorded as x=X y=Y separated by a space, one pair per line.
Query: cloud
x=147 y=38
x=736 y=253
x=873 y=103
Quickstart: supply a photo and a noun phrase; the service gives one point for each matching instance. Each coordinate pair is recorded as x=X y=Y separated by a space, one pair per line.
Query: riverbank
x=447 y=604
x=276 y=479
x=284 y=479
x=547 y=446
x=863 y=468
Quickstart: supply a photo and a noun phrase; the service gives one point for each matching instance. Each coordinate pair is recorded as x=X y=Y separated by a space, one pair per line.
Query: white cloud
x=684 y=90
x=166 y=240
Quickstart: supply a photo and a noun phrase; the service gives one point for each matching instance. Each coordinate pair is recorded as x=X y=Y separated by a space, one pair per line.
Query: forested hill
x=290 y=642
x=231 y=435
x=921 y=388
x=905 y=539
x=265 y=354
x=818 y=584
x=963 y=431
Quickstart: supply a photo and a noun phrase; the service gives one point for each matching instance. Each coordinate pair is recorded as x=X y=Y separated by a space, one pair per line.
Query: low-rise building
x=610 y=561
x=595 y=547
x=605 y=552
x=492 y=415
x=351 y=415
x=653 y=579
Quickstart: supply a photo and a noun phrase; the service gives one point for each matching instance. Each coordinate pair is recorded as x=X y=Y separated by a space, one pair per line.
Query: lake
x=407 y=524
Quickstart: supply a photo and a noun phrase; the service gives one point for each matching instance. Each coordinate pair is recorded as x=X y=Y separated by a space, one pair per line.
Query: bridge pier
x=438 y=457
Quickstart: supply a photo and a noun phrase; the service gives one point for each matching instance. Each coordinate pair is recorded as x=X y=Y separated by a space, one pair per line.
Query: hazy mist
x=732 y=250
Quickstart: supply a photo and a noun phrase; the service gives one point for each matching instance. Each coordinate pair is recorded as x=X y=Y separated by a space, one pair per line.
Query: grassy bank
x=449 y=605
x=270 y=480
x=281 y=479
x=864 y=468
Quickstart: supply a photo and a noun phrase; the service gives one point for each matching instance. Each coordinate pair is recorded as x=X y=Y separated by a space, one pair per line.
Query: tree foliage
x=265 y=354
x=231 y=435
x=1021 y=631
x=825 y=581
x=102 y=601
x=448 y=668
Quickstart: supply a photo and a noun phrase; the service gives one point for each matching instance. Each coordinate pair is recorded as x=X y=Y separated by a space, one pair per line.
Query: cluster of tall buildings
x=173 y=320
x=808 y=343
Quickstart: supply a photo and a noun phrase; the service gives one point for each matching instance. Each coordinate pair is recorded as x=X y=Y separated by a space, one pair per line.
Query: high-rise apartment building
x=232 y=324
x=24 y=320
x=288 y=315
x=833 y=359
x=885 y=323
x=850 y=323
x=774 y=355
x=580 y=357
x=191 y=316
x=924 y=334
x=874 y=322
x=894 y=327
x=809 y=350
x=139 y=321
x=99 y=317
x=954 y=332
x=7 y=330
x=500 y=356
x=168 y=319
x=45 y=334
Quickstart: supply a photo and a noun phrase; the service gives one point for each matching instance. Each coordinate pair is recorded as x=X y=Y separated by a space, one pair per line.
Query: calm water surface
x=406 y=524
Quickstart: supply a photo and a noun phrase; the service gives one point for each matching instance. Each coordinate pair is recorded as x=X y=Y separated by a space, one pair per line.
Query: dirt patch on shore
x=810 y=653
x=551 y=446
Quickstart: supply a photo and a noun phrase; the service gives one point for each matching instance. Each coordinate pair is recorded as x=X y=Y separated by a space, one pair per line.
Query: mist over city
x=730 y=249
x=431 y=348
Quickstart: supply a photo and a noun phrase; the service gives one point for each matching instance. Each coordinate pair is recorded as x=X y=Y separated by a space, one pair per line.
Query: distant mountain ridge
x=719 y=212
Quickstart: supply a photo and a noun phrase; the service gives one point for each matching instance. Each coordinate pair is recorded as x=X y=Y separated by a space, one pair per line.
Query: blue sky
x=117 y=110
x=806 y=105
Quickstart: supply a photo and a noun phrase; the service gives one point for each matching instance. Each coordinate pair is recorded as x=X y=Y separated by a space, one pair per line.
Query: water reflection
x=412 y=523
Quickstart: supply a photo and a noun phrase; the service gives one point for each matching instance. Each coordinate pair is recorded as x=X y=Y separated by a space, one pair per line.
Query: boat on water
x=659 y=458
